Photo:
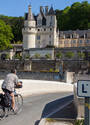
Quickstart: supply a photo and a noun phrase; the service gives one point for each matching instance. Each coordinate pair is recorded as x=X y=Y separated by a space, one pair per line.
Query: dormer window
x=39 y=22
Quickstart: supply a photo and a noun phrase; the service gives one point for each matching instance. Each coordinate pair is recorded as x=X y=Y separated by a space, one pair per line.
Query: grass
x=79 y=122
x=50 y=120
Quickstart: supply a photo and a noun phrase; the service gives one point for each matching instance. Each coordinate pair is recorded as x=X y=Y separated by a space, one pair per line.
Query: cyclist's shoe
x=15 y=110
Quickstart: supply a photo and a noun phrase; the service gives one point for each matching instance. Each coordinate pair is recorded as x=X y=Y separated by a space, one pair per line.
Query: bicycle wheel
x=18 y=103
x=2 y=112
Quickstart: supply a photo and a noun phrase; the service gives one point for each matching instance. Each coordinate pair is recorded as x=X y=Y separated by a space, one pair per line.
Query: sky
x=19 y=7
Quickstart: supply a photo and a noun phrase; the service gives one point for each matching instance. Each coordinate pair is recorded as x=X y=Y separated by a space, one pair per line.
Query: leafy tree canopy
x=5 y=36
x=16 y=24
x=75 y=17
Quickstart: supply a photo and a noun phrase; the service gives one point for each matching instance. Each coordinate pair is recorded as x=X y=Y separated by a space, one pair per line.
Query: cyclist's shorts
x=7 y=91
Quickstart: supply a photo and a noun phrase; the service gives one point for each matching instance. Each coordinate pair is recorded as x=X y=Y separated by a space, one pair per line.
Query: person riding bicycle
x=9 y=83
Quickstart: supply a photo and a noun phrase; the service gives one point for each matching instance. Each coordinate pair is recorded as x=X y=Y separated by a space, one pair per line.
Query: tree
x=75 y=17
x=5 y=36
x=16 y=24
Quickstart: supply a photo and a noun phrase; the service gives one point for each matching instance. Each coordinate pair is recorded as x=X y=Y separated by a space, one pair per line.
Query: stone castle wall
x=44 y=65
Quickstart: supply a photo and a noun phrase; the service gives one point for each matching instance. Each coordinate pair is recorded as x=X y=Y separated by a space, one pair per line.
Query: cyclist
x=9 y=83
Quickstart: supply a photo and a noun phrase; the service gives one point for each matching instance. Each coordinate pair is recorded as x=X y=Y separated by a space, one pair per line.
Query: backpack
x=7 y=100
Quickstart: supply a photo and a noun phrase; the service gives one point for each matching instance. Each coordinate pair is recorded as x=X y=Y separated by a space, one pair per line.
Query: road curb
x=45 y=121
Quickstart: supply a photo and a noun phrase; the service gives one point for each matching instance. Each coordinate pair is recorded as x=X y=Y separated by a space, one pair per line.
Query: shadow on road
x=37 y=122
x=60 y=108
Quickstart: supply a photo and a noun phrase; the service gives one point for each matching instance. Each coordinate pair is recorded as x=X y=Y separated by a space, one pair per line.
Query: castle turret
x=29 y=30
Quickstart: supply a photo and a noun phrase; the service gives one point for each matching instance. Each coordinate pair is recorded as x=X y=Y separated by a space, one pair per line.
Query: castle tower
x=29 y=30
x=51 y=22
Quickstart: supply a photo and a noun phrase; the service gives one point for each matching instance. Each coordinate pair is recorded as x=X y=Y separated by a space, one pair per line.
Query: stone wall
x=44 y=65
x=33 y=75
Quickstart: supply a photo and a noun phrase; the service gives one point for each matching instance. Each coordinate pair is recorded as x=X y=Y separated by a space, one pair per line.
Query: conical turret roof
x=30 y=15
x=51 y=11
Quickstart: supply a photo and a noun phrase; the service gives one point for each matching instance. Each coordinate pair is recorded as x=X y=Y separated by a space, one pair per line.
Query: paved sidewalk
x=40 y=86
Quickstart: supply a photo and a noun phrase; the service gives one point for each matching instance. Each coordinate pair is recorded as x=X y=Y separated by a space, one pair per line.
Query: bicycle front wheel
x=18 y=103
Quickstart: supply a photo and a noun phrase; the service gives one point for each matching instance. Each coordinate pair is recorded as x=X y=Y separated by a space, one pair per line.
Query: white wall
x=28 y=41
x=42 y=52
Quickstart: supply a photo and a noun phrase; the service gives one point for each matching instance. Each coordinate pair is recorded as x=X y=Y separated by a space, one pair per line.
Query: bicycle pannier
x=7 y=100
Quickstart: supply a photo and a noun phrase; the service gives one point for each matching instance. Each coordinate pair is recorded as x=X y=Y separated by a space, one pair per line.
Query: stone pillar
x=69 y=76
x=79 y=103
x=28 y=66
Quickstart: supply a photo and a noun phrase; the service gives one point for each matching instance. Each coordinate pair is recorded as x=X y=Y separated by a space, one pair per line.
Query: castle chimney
x=29 y=12
x=41 y=9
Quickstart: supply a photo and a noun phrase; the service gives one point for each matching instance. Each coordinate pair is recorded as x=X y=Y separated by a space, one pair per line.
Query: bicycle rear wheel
x=2 y=112
x=18 y=103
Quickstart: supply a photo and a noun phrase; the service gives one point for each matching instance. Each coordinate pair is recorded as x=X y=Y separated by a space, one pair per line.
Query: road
x=32 y=109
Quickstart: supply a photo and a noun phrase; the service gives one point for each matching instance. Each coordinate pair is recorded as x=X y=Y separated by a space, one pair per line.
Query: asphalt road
x=32 y=109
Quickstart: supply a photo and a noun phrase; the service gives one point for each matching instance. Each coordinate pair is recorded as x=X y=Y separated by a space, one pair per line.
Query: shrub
x=79 y=122
x=48 y=56
x=7 y=56
x=27 y=56
x=81 y=55
x=17 y=56
x=59 y=55
x=37 y=55
x=51 y=70
x=69 y=54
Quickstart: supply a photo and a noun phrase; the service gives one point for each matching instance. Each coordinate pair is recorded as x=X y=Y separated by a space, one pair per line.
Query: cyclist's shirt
x=10 y=81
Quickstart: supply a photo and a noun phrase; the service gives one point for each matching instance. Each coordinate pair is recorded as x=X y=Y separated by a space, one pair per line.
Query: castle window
x=38 y=37
x=38 y=29
x=80 y=41
x=39 y=22
x=49 y=42
x=44 y=29
x=74 y=41
x=87 y=41
x=50 y=29
x=65 y=42
x=49 y=36
x=39 y=42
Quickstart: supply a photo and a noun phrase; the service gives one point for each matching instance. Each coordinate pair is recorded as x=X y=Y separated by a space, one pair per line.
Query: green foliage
x=37 y=55
x=19 y=42
x=81 y=55
x=27 y=56
x=59 y=55
x=48 y=56
x=50 y=46
x=5 y=36
x=16 y=24
x=51 y=70
x=75 y=17
x=79 y=122
x=17 y=56
x=69 y=54
x=7 y=56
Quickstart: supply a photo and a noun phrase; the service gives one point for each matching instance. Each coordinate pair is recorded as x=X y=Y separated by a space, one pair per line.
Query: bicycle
x=4 y=110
